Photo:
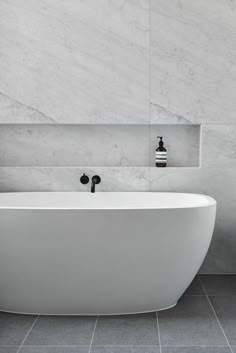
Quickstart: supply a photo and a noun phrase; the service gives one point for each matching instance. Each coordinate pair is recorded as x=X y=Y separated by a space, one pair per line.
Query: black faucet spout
x=95 y=180
x=93 y=187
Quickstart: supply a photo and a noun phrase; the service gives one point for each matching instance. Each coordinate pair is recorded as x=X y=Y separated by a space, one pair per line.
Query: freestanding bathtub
x=103 y=253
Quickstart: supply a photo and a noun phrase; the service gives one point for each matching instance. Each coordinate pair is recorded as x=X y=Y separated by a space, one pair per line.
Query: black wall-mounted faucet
x=95 y=180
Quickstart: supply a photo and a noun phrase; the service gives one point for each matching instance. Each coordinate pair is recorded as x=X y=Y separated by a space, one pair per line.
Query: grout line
x=118 y=345
x=95 y=325
x=199 y=345
x=194 y=345
x=149 y=102
x=53 y=345
x=194 y=295
x=200 y=148
x=215 y=274
x=231 y=350
x=158 y=331
x=18 y=350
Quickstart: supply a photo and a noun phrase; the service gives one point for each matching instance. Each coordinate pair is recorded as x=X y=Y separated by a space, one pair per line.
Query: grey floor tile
x=14 y=327
x=225 y=308
x=8 y=349
x=202 y=349
x=125 y=349
x=219 y=284
x=233 y=348
x=126 y=330
x=190 y=323
x=78 y=349
x=61 y=331
x=195 y=288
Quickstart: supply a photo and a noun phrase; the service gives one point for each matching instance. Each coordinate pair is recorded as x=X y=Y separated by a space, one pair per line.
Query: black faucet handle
x=84 y=179
x=96 y=179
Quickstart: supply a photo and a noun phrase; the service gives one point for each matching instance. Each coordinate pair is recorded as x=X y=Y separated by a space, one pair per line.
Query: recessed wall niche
x=181 y=141
x=97 y=145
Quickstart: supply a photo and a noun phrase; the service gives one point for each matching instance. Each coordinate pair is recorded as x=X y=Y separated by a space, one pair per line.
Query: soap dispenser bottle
x=161 y=154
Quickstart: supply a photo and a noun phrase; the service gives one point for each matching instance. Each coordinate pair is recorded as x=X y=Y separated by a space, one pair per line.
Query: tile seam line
x=94 y=329
x=123 y=345
x=215 y=274
x=101 y=345
x=53 y=346
x=212 y=308
x=194 y=295
x=26 y=336
x=149 y=103
x=118 y=345
x=196 y=345
x=158 y=332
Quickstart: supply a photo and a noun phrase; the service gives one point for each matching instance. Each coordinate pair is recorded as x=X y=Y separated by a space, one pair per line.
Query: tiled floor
x=204 y=321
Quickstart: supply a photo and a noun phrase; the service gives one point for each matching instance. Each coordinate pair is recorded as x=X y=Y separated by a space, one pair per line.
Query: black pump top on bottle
x=161 y=143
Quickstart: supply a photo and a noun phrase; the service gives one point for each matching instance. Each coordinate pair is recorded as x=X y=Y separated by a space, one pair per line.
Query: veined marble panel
x=181 y=141
x=74 y=145
x=68 y=179
x=219 y=183
x=218 y=146
x=76 y=61
x=14 y=112
x=193 y=66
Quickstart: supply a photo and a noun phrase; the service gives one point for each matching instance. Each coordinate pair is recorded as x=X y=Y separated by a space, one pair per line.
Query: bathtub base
x=95 y=314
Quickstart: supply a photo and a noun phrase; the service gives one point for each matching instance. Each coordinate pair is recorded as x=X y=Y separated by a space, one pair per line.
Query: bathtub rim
x=210 y=201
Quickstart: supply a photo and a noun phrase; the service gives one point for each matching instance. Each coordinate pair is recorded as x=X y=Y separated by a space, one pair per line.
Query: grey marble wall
x=142 y=68
x=193 y=81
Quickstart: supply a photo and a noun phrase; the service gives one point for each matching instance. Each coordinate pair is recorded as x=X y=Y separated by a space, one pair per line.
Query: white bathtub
x=102 y=253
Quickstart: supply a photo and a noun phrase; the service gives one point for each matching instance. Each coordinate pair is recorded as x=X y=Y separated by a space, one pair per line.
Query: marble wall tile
x=193 y=67
x=77 y=61
x=218 y=147
x=193 y=80
x=181 y=141
x=20 y=179
x=220 y=184
x=74 y=145
x=14 y=112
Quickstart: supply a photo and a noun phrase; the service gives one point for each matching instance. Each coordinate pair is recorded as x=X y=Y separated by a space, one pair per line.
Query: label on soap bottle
x=161 y=157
